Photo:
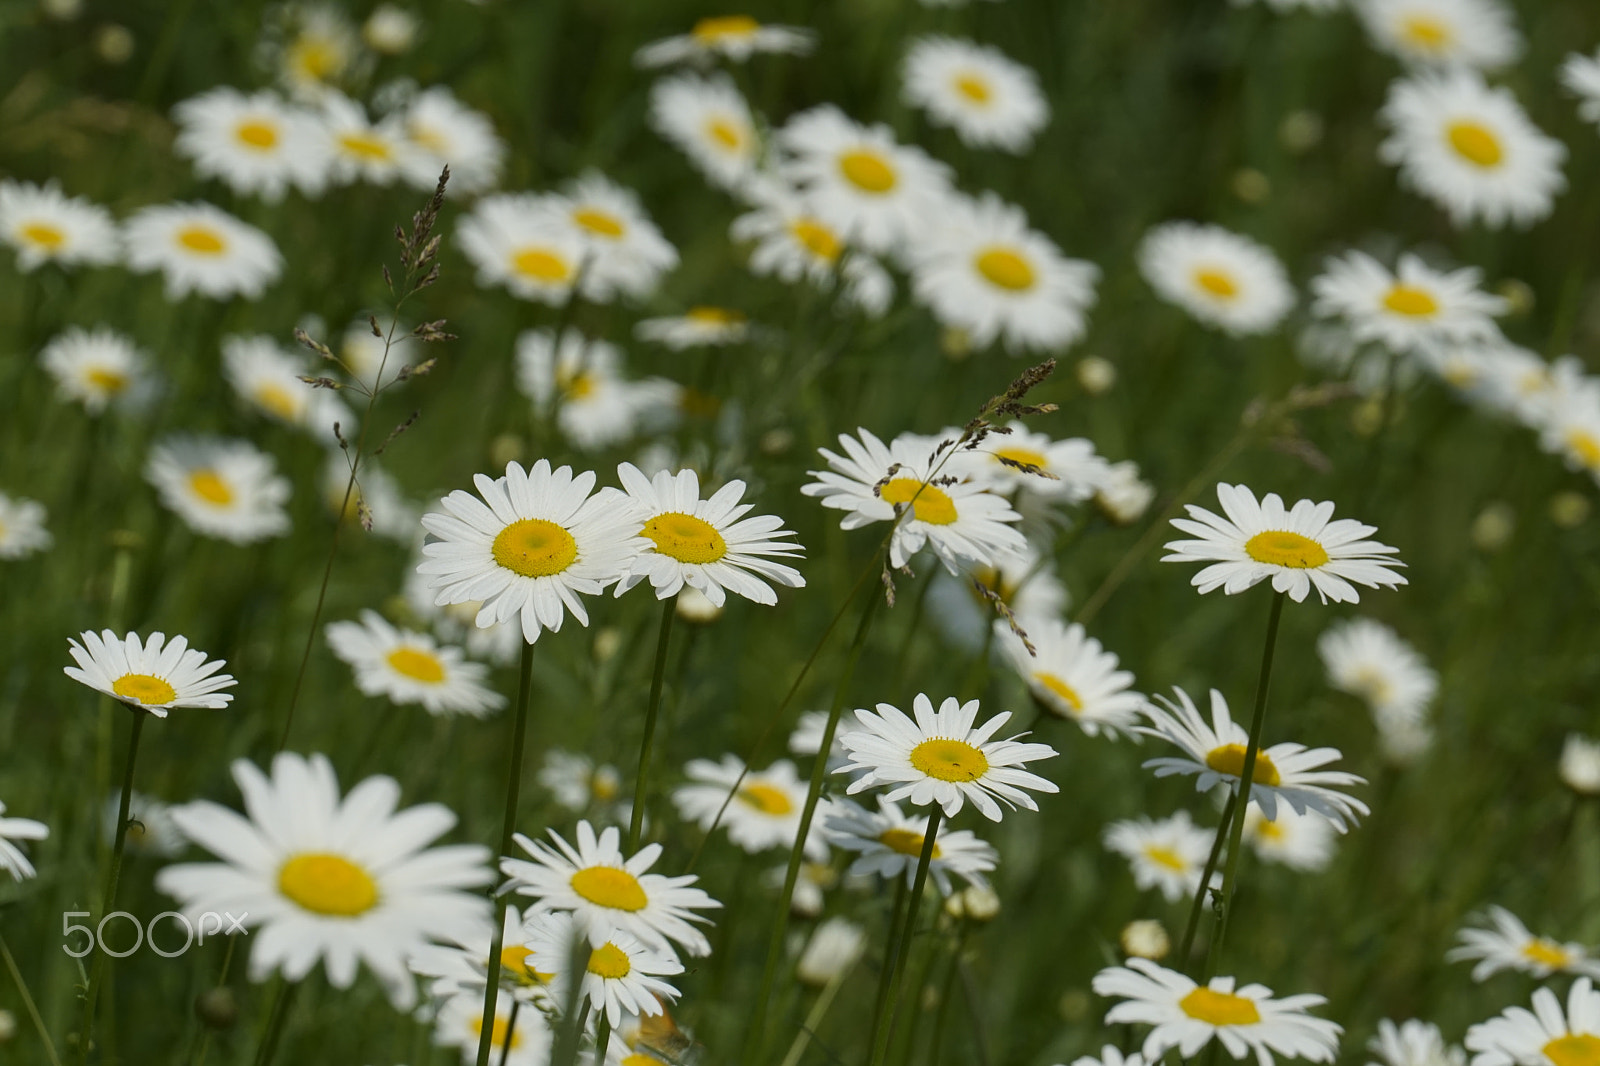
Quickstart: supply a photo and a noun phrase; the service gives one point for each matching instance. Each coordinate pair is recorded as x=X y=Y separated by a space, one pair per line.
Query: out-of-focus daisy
x=732 y=37
x=1187 y=1016
x=455 y=622
x=1070 y=470
x=1110 y=1055
x=153 y=674
x=1414 y=308
x=791 y=244
x=964 y=615
x=1299 y=549
x=1221 y=278
x=765 y=809
x=1470 y=148
x=220 y=488
x=461 y=965
x=943 y=757
x=858 y=180
x=606 y=891
x=981 y=270
x=1072 y=676
x=151 y=827
x=373 y=361
x=577 y=782
x=1571 y=429
x=270 y=380
x=362 y=150
x=44 y=225
x=410 y=667
x=523 y=1040
x=624 y=252
x=1167 y=853
x=390 y=30
x=1369 y=660
x=1125 y=496
x=257 y=144
x=12 y=860
x=1581 y=76
x=22 y=529
x=989 y=99
x=376 y=493
x=699 y=327
x=806 y=738
x=1444 y=33
x=1404 y=733
x=1285 y=772
x=622 y=974
x=1510 y=946
x=888 y=843
x=710 y=122
x=320 y=878
x=532 y=543
x=1413 y=1043
x=522 y=242
x=962 y=522
x=1580 y=764
x=835 y=946
x=705 y=544
x=1544 y=1036
x=449 y=132
x=94 y=367
x=1298 y=841
x=594 y=406
x=201 y=248
x=318 y=48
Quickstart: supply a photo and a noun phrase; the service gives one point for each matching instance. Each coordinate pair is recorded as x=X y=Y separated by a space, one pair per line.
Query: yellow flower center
x=210 y=487
x=1546 y=953
x=44 y=235
x=1026 y=456
x=1218 y=283
x=1279 y=547
x=417 y=664
x=147 y=689
x=868 y=171
x=713 y=31
x=1162 y=856
x=713 y=316
x=974 y=87
x=685 y=538
x=905 y=842
x=541 y=264
x=816 y=238
x=106 y=379
x=949 y=760
x=1066 y=692
x=1412 y=301
x=726 y=132
x=201 y=240
x=602 y=223
x=1574 y=1049
x=1372 y=684
x=328 y=884
x=1005 y=268
x=534 y=547
x=277 y=400
x=932 y=505
x=1267 y=829
x=1229 y=759
x=1219 y=1008
x=768 y=799
x=1424 y=32
x=257 y=133
x=610 y=886
x=497 y=1035
x=514 y=960
x=366 y=146
x=609 y=962
x=1585 y=448
x=1476 y=143
x=316 y=58
x=578 y=386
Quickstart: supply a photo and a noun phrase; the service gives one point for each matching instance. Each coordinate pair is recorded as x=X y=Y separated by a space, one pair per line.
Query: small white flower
x=270 y=380
x=521 y=241
x=1443 y=33
x=623 y=251
x=1544 y=1036
x=44 y=225
x=1298 y=841
x=220 y=488
x=153 y=674
x=1510 y=946
x=835 y=946
x=201 y=248
x=732 y=37
x=710 y=122
x=409 y=667
x=889 y=843
x=12 y=860
x=1581 y=76
x=989 y=99
x=151 y=828
x=1413 y=1043
x=699 y=327
x=622 y=974
x=594 y=406
x=1072 y=676
x=446 y=131
x=22 y=530
x=1580 y=764
x=1221 y=278
x=1169 y=853
x=256 y=144
x=94 y=367
x=1413 y=309
x=762 y=812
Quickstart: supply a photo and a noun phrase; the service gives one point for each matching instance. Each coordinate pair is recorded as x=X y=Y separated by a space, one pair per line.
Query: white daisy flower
x=1187 y=1016
x=1544 y=1036
x=220 y=488
x=1471 y=149
x=153 y=674
x=1299 y=549
x=1071 y=470
x=624 y=253
x=889 y=843
x=791 y=244
x=766 y=806
x=321 y=48
x=1072 y=676
x=521 y=241
x=410 y=667
x=1443 y=33
x=151 y=828
x=806 y=738
x=1369 y=660
x=533 y=542
x=44 y=225
x=256 y=144
x=988 y=98
x=1580 y=764
x=1167 y=853
x=593 y=405
x=941 y=757
x=578 y=783
x=377 y=153
x=1221 y=278
x=1580 y=74
x=607 y=892
x=373 y=361
x=1298 y=841
x=448 y=132
x=526 y=1040
x=1110 y=1055
x=461 y=965
x=1318 y=6
x=710 y=122
x=1125 y=496
x=1510 y=946
x=390 y=29
x=732 y=37
x=455 y=622
x=623 y=974
x=835 y=946
x=94 y=367
x=1025 y=583
x=270 y=380
x=980 y=269
x=320 y=878
x=961 y=521
x=1413 y=1043
x=201 y=248
x=705 y=544
x=1285 y=772
x=1413 y=309
x=699 y=327
x=1571 y=428
x=12 y=860
x=22 y=530
x=876 y=193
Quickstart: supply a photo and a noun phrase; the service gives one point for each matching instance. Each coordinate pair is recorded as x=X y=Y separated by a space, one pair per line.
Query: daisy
x=1571 y=429
x=1298 y=841
x=791 y=244
x=1509 y=946
x=593 y=405
x=461 y=966
x=409 y=667
x=705 y=544
x=273 y=382
x=151 y=828
x=257 y=145
x=521 y=241
x=1319 y=6
x=454 y=622
x=698 y=327
x=980 y=269
x=858 y=180
x=732 y=37
x=1187 y=1016
x=1125 y=496
x=1286 y=772
x=320 y=48
x=93 y=367
x=806 y=739
x=1580 y=765
x=710 y=122
x=1169 y=854
x=989 y=99
x=624 y=253
x=962 y=522
x=1471 y=149
x=44 y=225
x=964 y=615
x=341 y=881
x=390 y=29
x=1072 y=676
x=1580 y=74
x=363 y=150
x=1544 y=1036
x=607 y=892
x=201 y=248
x=1299 y=549
x=622 y=975
x=1369 y=660
x=942 y=758
x=577 y=782
x=523 y=1040
x=220 y=488
x=153 y=674
x=448 y=132
x=22 y=530
x=766 y=807
x=1413 y=1043
x=1413 y=309
x=835 y=946
x=1110 y=1055
x=1221 y=278
x=12 y=860
x=1444 y=33
x=1068 y=470
x=889 y=844
x=535 y=540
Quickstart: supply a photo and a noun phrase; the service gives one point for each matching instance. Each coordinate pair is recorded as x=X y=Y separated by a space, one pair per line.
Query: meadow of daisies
x=877 y=533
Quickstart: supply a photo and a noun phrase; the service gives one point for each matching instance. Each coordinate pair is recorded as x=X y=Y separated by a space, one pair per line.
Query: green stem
x=274 y=1033
x=1187 y=944
x=222 y=980
x=818 y=1011
x=881 y=1039
x=891 y=950
x=28 y=1004
x=945 y=992
x=602 y=1038
x=641 y=779
x=511 y=1031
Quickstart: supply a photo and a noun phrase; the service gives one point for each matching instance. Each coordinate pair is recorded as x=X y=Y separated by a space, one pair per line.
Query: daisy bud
x=62 y=10
x=1493 y=527
x=975 y=903
x=834 y=948
x=607 y=641
x=1145 y=939
x=8 y=1026
x=216 y=1008
x=1250 y=185
x=113 y=44
x=693 y=606
x=1096 y=375
x=1580 y=765
x=390 y=30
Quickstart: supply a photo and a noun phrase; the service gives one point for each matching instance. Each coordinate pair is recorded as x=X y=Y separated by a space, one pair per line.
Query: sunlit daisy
x=1027 y=584
x=448 y=132
x=1469 y=33
x=522 y=241
x=1581 y=76
x=593 y=405
x=732 y=37
x=699 y=327
x=1072 y=676
x=1068 y=470
x=577 y=782
x=791 y=244
x=1286 y=773
x=1510 y=946
x=622 y=974
x=270 y=380
x=1298 y=841
x=1414 y=308
x=1221 y=278
x=220 y=488
x=12 y=860
x=257 y=144
x=1413 y=1043
x=94 y=367
x=362 y=150
x=624 y=253
x=1168 y=853
x=1369 y=660
x=888 y=843
x=519 y=1037
x=1299 y=549
x=319 y=49
x=22 y=528
x=461 y=964
x=1544 y=1036
x=942 y=757
x=410 y=667
x=1580 y=764
x=152 y=674
x=989 y=99
x=44 y=225
x=151 y=827
x=765 y=809
x=710 y=122
x=201 y=248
